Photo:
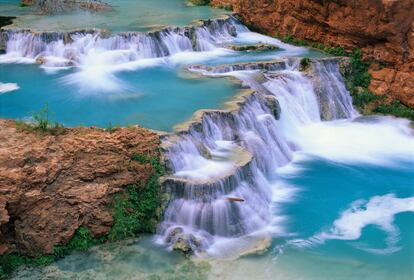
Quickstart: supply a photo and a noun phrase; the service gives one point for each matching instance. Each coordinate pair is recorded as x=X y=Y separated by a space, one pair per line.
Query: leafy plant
x=111 y=128
x=41 y=119
x=361 y=99
x=304 y=64
x=81 y=241
x=41 y=123
x=200 y=2
x=136 y=210
x=10 y=262
x=360 y=76
x=397 y=109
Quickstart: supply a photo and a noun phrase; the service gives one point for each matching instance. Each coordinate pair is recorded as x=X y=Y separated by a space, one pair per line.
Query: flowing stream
x=280 y=178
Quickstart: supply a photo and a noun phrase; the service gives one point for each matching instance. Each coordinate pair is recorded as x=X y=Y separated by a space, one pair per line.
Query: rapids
x=286 y=168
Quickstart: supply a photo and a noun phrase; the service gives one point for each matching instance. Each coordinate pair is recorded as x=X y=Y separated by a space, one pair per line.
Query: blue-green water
x=324 y=191
x=347 y=214
x=105 y=90
x=156 y=98
x=315 y=197
x=127 y=15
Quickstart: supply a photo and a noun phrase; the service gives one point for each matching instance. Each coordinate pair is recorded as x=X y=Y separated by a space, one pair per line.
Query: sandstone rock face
x=52 y=185
x=383 y=29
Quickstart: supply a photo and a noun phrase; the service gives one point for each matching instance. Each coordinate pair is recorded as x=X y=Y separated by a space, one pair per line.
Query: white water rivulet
x=288 y=165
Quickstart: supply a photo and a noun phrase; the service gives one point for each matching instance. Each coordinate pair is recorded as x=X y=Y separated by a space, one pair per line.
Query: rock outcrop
x=51 y=6
x=383 y=29
x=51 y=185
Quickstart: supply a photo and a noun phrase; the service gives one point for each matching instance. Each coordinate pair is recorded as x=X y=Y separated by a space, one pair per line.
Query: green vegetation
x=363 y=98
x=81 y=241
x=200 y=2
x=396 y=109
x=338 y=51
x=357 y=79
x=255 y=47
x=304 y=64
x=111 y=128
x=135 y=211
x=10 y=262
x=228 y=7
x=359 y=68
x=41 y=123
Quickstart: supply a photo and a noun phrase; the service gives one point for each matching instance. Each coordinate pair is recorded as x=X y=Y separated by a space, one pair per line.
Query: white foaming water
x=205 y=169
x=7 y=87
x=97 y=57
x=305 y=100
x=378 y=210
x=253 y=38
x=351 y=139
x=356 y=141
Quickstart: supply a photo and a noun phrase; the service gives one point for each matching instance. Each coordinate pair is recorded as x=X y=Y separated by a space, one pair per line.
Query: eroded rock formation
x=52 y=185
x=383 y=29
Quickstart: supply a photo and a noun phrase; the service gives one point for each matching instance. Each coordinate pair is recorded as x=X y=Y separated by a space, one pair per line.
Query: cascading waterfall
x=63 y=49
x=223 y=162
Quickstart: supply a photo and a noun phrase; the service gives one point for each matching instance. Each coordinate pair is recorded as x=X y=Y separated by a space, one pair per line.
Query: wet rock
x=255 y=47
x=274 y=106
x=186 y=243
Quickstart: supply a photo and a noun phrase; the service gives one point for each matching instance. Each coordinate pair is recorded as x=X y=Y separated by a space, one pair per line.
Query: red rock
x=52 y=185
x=383 y=29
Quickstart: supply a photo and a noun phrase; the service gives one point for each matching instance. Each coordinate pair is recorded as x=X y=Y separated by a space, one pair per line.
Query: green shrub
x=41 y=119
x=304 y=64
x=289 y=39
x=41 y=123
x=81 y=241
x=397 y=109
x=136 y=210
x=361 y=99
x=200 y=2
x=357 y=80
x=360 y=76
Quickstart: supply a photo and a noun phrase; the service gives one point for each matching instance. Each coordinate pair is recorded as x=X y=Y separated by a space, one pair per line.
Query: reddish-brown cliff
x=383 y=29
x=52 y=185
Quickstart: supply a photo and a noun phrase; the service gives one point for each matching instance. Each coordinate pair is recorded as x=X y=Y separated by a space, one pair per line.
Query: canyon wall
x=50 y=185
x=383 y=29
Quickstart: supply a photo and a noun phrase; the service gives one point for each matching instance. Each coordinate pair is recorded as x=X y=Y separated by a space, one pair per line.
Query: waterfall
x=68 y=49
x=223 y=162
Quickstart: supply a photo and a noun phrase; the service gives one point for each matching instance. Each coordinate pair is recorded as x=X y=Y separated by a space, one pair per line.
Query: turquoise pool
x=128 y=15
x=157 y=98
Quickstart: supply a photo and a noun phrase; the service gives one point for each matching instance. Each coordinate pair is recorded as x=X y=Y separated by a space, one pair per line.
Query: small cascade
x=336 y=103
x=67 y=49
x=223 y=162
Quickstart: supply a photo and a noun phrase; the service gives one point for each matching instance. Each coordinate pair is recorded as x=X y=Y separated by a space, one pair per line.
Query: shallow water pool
x=127 y=15
x=157 y=98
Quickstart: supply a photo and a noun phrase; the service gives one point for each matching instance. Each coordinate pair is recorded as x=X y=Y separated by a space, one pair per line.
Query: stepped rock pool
x=331 y=192
x=120 y=80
